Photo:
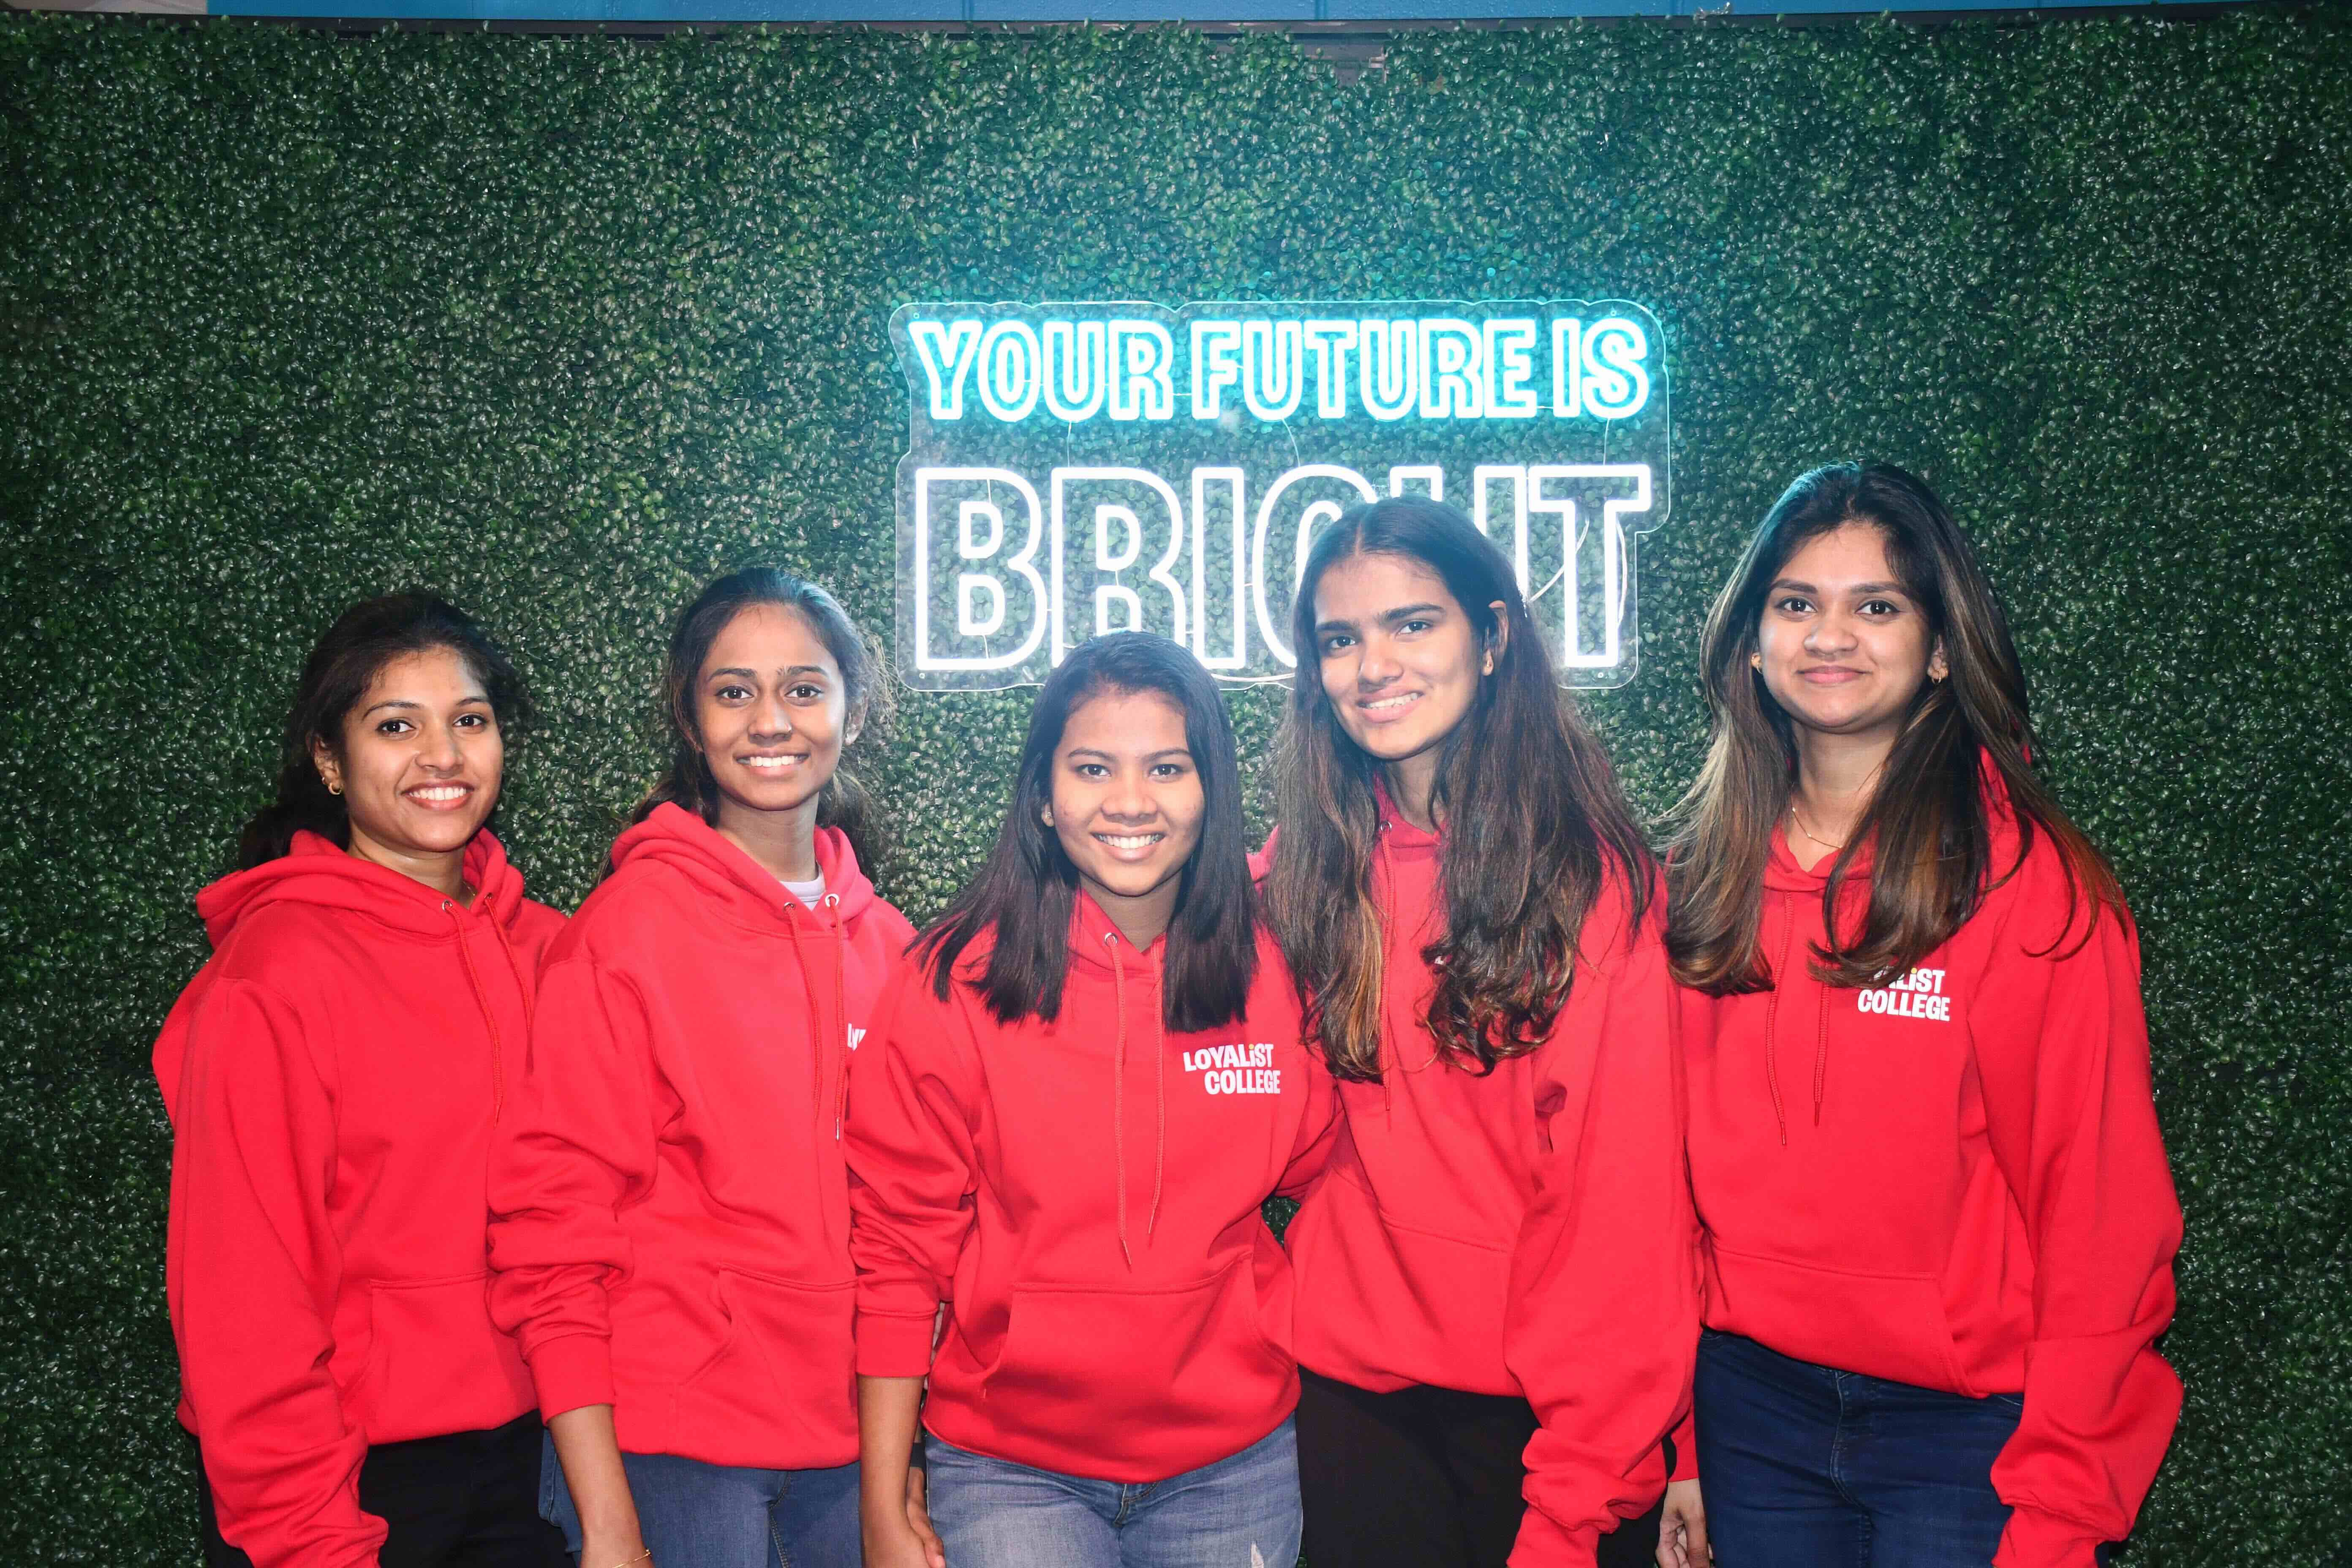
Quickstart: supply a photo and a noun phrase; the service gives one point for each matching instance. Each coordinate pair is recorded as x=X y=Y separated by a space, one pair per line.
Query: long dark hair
x=1534 y=819
x=1928 y=819
x=364 y=640
x=844 y=801
x=1026 y=890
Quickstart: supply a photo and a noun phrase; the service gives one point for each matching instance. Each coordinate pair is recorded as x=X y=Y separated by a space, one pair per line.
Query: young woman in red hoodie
x=1088 y=1083
x=672 y=1232
x=1496 y=1295
x=1938 y=1224
x=333 y=1075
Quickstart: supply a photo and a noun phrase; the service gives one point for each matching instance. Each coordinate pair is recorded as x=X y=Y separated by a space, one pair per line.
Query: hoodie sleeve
x=1601 y=1326
x=912 y=1173
x=252 y=1276
x=579 y=1145
x=2061 y=1049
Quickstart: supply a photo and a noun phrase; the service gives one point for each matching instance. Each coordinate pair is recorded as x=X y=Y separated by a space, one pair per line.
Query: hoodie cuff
x=1685 y=1439
x=1545 y=1542
x=890 y=1345
x=571 y=1372
x=2038 y=1539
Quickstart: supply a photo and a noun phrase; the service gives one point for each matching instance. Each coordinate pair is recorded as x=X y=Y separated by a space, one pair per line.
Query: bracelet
x=640 y=1557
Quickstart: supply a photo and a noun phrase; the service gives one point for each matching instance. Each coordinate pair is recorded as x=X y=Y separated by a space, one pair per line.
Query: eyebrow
x=1113 y=756
x=467 y=702
x=1853 y=588
x=788 y=672
x=1386 y=618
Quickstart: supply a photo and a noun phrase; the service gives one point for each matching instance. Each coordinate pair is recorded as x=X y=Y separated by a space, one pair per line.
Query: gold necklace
x=1809 y=832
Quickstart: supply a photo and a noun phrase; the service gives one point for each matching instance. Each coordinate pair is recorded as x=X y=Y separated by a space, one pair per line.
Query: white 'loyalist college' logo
x=1235 y=1070
x=1079 y=469
x=1918 y=994
x=856 y=1035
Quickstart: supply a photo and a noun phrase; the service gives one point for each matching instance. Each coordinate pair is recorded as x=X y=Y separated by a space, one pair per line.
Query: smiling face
x=419 y=762
x=771 y=712
x=1128 y=805
x=1845 y=647
x=1400 y=661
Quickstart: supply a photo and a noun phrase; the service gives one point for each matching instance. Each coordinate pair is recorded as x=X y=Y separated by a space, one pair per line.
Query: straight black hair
x=1026 y=890
x=355 y=650
x=688 y=782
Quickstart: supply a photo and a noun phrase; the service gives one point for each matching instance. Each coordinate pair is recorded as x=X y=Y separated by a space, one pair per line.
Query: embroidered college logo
x=856 y=1035
x=1918 y=994
x=1235 y=1070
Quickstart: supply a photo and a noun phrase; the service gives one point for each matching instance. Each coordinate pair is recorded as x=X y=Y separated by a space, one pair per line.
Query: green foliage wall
x=564 y=326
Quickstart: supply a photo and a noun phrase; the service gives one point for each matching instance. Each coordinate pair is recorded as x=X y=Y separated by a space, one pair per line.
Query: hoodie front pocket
x=1132 y=1375
x=1884 y=1325
x=436 y=1363
x=778 y=1392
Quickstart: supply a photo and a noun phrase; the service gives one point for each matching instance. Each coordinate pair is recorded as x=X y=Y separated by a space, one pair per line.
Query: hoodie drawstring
x=1771 y=1030
x=816 y=1018
x=1821 y=1048
x=841 y=1009
x=1118 y=1105
x=482 y=999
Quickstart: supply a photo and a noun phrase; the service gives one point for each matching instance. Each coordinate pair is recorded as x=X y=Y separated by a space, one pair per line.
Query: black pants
x=467 y=1501
x=1423 y=1478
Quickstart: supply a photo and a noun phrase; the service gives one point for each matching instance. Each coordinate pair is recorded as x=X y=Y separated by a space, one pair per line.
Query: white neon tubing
x=1011 y=362
x=1234 y=479
x=1142 y=370
x=1451 y=375
x=1216 y=365
x=1274 y=369
x=945 y=350
x=1386 y=354
x=1615 y=384
x=1330 y=343
x=1259 y=565
x=1614 y=577
x=1022 y=563
x=1567 y=367
x=1082 y=347
x=1510 y=343
x=1058 y=485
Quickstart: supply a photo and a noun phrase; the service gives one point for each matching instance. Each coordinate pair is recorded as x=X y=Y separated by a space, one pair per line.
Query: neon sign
x=1074 y=470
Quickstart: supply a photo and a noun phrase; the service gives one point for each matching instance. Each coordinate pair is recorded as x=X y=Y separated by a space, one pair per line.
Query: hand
x=1682 y=1529
x=919 y=1519
x=897 y=1546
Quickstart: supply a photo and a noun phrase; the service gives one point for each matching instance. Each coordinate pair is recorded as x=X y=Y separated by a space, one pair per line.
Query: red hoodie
x=1527 y=1232
x=1955 y=1181
x=672 y=1229
x=1086 y=1194
x=332 y=1074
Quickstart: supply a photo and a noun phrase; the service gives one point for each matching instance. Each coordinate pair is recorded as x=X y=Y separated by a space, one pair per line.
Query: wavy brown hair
x=1533 y=821
x=1929 y=819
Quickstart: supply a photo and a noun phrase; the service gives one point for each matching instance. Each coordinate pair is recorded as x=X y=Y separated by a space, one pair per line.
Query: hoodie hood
x=679 y=838
x=318 y=871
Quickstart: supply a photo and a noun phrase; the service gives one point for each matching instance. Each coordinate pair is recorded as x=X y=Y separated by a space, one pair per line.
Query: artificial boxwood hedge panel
x=563 y=327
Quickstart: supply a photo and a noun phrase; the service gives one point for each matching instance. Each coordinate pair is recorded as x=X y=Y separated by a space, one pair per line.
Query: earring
x=334 y=788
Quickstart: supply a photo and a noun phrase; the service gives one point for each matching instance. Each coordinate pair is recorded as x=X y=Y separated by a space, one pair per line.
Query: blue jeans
x=1808 y=1466
x=1239 y=1512
x=696 y=1515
